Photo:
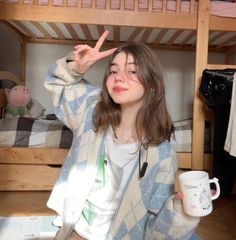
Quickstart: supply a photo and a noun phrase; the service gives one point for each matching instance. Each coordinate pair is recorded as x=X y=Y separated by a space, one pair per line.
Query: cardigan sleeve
x=169 y=221
x=72 y=95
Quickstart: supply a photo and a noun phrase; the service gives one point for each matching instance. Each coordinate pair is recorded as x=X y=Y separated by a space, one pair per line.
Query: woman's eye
x=112 y=72
x=132 y=72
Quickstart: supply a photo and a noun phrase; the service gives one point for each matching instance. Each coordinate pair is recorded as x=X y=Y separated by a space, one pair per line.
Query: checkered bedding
x=31 y=132
x=42 y=133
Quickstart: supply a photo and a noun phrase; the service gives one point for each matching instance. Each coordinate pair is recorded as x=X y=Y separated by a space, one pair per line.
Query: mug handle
x=217 y=193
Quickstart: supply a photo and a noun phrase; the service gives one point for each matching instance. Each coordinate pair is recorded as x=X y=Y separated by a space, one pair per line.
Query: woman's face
x=123 y=84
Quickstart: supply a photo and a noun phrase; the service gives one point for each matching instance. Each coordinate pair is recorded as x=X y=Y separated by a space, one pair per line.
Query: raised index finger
x=101 y=40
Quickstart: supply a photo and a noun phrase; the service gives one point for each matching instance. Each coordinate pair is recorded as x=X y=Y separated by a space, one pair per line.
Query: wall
x=39 y=58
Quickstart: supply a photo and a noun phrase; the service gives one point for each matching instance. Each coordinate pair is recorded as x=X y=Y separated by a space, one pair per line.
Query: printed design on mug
x=189 y=188
x=205 y=199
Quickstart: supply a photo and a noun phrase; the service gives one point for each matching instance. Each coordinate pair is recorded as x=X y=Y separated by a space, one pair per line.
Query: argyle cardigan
x=148 y=208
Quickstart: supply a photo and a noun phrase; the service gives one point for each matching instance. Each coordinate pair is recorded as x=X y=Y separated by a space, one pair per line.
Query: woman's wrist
x=72 y=64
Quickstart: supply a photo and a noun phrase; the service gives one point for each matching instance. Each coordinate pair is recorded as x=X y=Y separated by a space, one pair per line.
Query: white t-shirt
x=113 y=172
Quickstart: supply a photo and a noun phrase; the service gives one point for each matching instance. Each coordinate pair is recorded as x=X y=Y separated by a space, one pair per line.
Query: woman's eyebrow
x=128 y=63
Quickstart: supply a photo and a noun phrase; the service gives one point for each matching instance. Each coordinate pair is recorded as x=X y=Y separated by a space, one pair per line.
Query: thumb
x=179 y=196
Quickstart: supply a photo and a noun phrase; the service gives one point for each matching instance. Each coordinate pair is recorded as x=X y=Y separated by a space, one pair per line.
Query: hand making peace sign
x=85 y=56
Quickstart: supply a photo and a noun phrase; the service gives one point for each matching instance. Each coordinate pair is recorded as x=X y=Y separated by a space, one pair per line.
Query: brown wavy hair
x=153 y=121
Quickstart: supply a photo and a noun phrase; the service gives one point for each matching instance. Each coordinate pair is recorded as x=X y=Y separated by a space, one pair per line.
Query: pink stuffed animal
x=18 y=98
x=21 y=104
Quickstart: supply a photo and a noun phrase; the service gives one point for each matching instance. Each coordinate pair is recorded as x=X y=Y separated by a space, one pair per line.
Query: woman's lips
x=119 y=89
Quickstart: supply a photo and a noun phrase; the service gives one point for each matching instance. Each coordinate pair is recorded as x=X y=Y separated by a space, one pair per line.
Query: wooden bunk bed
x=191 y=21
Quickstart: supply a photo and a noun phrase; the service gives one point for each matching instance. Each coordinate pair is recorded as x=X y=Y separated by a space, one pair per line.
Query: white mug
x=197 y=195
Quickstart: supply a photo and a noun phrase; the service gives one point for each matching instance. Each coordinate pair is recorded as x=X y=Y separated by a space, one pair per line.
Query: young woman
x=118 y=179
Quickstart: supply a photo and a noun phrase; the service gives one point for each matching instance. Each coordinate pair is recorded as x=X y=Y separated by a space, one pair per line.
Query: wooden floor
x=24 y=203
x=219 y=225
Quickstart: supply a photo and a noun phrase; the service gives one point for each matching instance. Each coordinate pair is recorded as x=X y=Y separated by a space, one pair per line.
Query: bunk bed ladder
x=197 y=161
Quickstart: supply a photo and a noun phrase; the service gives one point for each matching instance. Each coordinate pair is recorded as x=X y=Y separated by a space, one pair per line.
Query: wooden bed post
x=22 y=61
x=201 y=63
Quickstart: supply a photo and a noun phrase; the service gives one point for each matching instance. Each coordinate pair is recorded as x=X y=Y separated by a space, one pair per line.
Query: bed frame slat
x=27 y=177
x=37 y=156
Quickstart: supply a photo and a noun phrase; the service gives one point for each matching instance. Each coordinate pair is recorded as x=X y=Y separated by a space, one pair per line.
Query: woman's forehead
x=123 y=57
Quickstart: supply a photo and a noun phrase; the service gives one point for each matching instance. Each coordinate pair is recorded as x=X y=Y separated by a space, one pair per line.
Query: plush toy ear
x=7 y=91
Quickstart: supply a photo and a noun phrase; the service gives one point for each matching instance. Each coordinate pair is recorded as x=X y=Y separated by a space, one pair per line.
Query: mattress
x=43 y=133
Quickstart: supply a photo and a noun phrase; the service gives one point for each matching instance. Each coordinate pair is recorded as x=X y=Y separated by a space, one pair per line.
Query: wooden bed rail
x=220 y=66
x=148 y=5
x=147 y=15
x=36 y=169
x=5 y=75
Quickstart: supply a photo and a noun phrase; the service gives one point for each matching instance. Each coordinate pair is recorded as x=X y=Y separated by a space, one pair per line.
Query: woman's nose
x=120 y=76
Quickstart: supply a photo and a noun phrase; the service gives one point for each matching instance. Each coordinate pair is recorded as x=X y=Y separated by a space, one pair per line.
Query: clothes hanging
x=230 y=142
x=216 y=87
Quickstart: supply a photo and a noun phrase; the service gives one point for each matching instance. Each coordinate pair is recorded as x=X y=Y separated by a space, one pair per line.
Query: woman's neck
x=126 y=131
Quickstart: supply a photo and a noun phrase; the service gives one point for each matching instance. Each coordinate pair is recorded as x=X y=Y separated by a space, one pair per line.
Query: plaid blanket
x=37 y=133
